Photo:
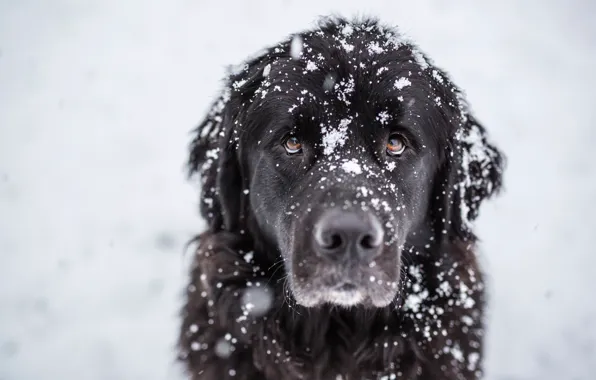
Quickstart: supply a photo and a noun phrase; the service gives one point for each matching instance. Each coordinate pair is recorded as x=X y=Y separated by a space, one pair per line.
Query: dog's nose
x=339 y=234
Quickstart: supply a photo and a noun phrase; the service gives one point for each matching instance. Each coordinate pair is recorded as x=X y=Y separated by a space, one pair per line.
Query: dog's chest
x=345 y=352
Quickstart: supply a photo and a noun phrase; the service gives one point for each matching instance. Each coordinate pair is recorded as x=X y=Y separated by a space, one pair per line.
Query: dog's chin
x=344 y=297
x=355 y=297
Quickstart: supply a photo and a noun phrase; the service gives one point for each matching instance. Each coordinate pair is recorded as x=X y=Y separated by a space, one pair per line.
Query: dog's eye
x=396 y=145
x=292 y=145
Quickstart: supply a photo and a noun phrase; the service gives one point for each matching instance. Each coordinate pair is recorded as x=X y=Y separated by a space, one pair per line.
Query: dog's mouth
x=367 y=287
x=346 y=287
x=346 y=294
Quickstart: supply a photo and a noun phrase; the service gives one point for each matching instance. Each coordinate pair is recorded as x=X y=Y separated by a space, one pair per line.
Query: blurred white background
x=97 y=99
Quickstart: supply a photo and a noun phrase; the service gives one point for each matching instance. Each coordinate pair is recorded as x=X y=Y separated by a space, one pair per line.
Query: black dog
x=341 y=171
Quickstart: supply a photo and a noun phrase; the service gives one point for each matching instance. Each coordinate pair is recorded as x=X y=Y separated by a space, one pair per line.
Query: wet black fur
x=442 y=339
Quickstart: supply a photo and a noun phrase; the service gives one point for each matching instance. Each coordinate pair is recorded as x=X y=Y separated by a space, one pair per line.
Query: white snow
x=329 y=82
x=248 y=257
x=97 y=99
x=347 y=30
x=223 y=348
x=382 y=69
x=347 y=47
x=413 y=301
x=296 y=47
x=420 y=59
x=352 y=166
x=335 y=137
x=364 y=192
x=257 y=300
x=238 y=84
x=383 y=117
x=402 y=82
x=437 y=76
x=457 y=354
x=311 y=66
x=375 y=48
x=473 y=360
x=344 y=90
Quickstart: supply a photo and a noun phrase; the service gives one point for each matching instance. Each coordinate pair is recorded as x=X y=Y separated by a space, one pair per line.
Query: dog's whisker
x=277 y=262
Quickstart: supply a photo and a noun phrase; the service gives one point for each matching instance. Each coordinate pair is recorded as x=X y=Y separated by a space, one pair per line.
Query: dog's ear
x=215 y=151
x=471 y=173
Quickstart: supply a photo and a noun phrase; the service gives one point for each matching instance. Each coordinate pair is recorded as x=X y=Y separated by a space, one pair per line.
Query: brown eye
x=292 y=145
x=396 y=145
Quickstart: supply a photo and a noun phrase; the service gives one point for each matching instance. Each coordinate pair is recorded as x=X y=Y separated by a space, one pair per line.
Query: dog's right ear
x=214 y=150
x=205 y=156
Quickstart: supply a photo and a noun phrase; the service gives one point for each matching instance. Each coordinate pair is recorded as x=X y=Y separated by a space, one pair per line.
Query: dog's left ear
x=472 y=172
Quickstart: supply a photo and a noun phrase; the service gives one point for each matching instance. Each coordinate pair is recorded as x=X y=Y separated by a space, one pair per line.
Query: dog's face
x=339 y=180
x=339 y=192
x=342 y=140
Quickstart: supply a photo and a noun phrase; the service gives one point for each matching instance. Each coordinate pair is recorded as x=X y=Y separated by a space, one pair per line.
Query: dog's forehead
x=339 y=79
x=343 y=74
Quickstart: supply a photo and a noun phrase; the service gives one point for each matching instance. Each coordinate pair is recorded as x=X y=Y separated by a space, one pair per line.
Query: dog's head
x=339 y=147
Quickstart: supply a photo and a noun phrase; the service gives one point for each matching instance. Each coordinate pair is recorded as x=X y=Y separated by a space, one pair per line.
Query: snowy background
x=97 y=99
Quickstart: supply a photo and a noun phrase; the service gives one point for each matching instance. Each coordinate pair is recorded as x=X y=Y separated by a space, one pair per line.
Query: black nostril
x=367 y=242
x=335 y=241
x=328 y=240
